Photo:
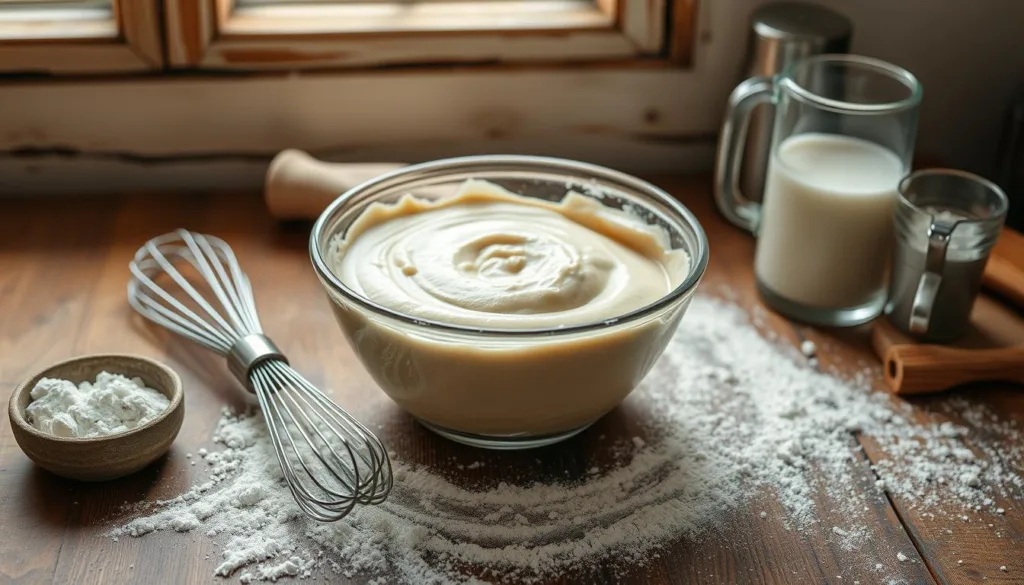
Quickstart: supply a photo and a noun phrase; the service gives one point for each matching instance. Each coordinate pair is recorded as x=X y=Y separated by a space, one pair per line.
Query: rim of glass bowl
x=521 y=163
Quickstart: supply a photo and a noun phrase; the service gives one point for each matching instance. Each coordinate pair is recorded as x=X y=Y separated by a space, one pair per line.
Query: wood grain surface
x=63 y=271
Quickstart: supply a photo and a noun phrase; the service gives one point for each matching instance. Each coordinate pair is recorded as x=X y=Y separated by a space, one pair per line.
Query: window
x=111 y=36
x=157 y=84
x=275 y=34
x=79 y=36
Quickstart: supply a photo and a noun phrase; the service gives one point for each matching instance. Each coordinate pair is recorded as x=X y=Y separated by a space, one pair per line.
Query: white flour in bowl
x=111 y=404
x=731 y=417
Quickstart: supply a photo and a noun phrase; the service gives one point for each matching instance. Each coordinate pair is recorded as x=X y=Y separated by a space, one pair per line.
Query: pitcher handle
x=931 y=280
x=731 y=202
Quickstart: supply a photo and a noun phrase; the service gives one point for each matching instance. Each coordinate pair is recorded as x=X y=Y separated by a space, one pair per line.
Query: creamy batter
x=489 y=258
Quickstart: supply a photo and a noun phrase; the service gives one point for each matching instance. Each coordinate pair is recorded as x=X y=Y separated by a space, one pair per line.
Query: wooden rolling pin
x=911 y=368
x=299 y=186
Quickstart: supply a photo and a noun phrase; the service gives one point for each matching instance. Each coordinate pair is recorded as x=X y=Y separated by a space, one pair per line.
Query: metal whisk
x=331 y=461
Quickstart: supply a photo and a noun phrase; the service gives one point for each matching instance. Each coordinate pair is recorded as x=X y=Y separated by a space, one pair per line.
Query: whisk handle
x=249 y=351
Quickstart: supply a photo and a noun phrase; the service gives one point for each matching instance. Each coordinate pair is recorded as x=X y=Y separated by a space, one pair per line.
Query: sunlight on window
x=313 y=3
x=52 y=4
x=50 y=10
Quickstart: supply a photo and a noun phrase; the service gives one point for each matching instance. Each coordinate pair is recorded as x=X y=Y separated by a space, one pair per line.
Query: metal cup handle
x=736 y=208
x=931 y=280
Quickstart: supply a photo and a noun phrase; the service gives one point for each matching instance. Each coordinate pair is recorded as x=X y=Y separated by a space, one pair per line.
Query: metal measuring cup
x=946 y=222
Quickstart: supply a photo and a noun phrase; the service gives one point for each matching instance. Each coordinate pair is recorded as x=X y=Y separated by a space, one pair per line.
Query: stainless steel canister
x=782 y=33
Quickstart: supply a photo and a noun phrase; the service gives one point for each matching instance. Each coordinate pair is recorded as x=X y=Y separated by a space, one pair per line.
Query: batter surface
x=486 y=257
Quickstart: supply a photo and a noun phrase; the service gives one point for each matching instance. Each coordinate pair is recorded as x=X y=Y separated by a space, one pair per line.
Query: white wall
x=968 y=55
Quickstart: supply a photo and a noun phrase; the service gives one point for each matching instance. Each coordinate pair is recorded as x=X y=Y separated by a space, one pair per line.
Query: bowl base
x=504 y=442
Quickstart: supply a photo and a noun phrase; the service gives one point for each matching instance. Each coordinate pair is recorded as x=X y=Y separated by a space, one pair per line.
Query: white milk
x=826 y=224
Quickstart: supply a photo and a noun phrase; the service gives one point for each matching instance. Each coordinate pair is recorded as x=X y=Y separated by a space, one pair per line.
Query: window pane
x=40 y=20
x=297 y=17
x=313 y=3
x=50 y=10
x=52 y=4
x=272 y=2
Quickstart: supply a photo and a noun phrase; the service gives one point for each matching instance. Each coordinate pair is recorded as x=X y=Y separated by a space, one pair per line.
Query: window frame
x=212 y=35
x=128 y=41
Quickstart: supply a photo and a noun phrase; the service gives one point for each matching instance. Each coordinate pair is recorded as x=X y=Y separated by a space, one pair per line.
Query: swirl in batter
x=486 y=257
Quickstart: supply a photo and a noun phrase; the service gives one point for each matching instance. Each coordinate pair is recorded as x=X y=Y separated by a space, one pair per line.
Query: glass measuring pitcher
x=946 y=222
x=843 y=138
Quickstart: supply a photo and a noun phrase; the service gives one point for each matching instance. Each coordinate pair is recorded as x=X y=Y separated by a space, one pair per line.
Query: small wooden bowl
x=101 y=458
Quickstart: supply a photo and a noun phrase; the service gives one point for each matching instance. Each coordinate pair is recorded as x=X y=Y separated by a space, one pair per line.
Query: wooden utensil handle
x=1004 y=272
x=918 y=369
x=299 y=186
x=1005 y=278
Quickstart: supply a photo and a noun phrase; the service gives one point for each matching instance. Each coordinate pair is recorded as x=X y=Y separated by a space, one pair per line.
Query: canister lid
x=801 y=22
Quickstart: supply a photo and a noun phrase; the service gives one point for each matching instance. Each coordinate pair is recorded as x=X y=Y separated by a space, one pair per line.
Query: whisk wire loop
x=184 y=321
x=198 y=262
x=245 y=322
x=329 y=460
x=303 y=424
x=157 y=257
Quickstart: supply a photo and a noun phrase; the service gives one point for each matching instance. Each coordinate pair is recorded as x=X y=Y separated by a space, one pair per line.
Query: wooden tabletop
x=63 y=271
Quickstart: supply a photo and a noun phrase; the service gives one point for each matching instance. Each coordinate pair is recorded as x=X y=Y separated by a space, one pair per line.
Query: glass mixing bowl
x=509 y=388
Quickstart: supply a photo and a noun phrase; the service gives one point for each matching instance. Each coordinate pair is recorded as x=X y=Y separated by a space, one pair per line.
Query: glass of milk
x=843 y=139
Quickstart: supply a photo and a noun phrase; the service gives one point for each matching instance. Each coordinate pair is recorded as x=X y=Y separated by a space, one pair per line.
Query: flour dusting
x=731 y=417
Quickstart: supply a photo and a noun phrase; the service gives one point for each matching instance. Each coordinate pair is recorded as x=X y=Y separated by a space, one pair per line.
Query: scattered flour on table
x=732 y=417
x=111 y=404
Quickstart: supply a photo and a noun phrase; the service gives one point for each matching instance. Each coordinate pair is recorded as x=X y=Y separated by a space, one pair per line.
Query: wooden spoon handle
x=919 y=369
x=1004 y=272
x=1005 y=278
